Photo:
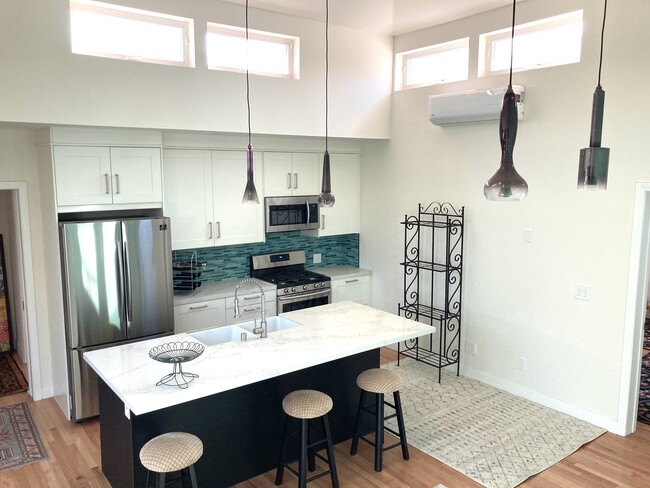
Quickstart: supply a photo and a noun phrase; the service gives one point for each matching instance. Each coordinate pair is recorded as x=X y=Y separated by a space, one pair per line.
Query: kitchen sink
x=221 y=335
x=273 y=324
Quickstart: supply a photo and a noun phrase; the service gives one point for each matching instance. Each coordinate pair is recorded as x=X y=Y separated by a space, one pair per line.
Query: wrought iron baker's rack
x=433 y=269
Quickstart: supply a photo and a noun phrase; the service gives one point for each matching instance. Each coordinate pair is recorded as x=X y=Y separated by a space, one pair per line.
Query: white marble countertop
x=212 y=290
x=342 y=272
x=327 y=333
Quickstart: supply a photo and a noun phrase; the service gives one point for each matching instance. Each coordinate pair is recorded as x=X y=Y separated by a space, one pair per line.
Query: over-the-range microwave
x=291 y=213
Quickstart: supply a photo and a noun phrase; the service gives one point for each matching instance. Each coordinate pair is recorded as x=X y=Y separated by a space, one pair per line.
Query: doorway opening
x=14 y=219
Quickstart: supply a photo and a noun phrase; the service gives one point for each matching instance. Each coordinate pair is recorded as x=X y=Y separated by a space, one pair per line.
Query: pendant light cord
x=512 y=39
x=248 y=89
x=602 y=38
x=327 y=68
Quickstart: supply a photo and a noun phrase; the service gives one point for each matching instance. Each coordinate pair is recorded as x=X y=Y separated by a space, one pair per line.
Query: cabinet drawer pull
x=256 y=297
x=205 y=305
x=107 y=183
x=295 y=181
x=352 y=281
x=251 y=309
x=117 y=184
x=288 y=181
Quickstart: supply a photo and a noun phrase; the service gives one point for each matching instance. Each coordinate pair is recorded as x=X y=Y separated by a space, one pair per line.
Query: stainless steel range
x=298 y=287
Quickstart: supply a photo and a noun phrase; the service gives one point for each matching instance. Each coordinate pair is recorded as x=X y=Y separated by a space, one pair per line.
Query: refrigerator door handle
x=119 y=264
x=127 y=285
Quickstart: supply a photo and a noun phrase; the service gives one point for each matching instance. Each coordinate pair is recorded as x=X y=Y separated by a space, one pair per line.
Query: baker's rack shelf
x=433 y=266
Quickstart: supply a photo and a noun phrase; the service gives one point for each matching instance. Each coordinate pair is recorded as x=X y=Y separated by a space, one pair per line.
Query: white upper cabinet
x=235 y=222
x=343 y=217
x=188 y=197
x=91 y=175
x=203 y=198
x=291 y=174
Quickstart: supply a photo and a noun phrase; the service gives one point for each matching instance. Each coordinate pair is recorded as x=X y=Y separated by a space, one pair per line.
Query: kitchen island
x=234 y=405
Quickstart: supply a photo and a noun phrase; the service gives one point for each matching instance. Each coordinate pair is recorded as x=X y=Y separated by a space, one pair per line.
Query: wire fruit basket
x=177 y=353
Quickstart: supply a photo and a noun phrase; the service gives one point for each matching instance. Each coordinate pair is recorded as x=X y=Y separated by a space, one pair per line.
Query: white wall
x=518 y=297
x=42 y=82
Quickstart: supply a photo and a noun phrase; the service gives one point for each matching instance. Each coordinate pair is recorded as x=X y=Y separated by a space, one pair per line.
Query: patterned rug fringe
x=491 y=436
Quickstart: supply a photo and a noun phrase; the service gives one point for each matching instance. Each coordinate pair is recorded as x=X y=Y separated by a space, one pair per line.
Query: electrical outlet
x=581 y=292
x=470 y=347
x=521 y=364
x=317 y=258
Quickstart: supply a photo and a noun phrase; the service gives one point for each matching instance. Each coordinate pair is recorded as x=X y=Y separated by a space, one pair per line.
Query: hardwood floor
x=74 y=461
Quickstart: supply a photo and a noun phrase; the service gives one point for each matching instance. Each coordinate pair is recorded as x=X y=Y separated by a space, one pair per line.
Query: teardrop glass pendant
x=326 y=197
x=250 y=193
x=506 y=184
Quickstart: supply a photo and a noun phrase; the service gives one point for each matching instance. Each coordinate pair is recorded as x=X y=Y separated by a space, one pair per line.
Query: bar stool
x=170 y=452
x=306 y=406
x=380 y=382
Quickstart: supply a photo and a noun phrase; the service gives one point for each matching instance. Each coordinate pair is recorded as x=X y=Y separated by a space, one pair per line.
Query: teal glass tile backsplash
x=227 y=262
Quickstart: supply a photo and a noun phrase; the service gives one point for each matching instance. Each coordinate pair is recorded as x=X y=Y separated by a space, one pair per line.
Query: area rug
x=20 y=443
x=643 y=413
x=11 y=378
x=491 y=436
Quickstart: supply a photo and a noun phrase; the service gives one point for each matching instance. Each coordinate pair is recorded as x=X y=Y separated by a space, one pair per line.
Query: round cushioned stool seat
x=307 y=404
x=379 y=380
x=170 y=452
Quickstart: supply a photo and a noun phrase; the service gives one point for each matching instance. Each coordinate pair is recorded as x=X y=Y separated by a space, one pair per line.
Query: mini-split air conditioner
x=471 y=106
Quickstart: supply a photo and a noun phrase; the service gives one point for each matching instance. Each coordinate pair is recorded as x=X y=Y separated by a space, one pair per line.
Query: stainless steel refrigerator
x=117 y=286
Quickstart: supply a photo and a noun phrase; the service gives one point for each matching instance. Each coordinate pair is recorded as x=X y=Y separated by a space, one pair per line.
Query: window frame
x=292 y=43
x=154 y=18
x=402 y=61
x=486 y=40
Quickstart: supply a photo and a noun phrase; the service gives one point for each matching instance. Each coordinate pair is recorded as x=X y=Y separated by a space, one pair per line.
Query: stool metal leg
x=355 y=437
x=193 y=482
x=379 y=431
x=161 y=480
x=280 y=471
x=330 y=452
x=400 y=425
x=302 y=463
x=311 y=457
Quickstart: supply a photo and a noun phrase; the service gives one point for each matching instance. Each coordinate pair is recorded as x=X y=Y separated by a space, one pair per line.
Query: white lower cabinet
x=356 y=289
x=199 y=315
x=250 y=307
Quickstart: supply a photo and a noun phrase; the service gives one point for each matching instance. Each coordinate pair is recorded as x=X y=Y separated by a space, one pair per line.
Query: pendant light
x=326 y=197
x=250 y=193
x=594 y=160
x=506 y=184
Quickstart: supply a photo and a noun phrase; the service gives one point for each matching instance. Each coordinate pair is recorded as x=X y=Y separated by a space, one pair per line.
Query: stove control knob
x=293 y=288
x=304 y=287
x=286 y=290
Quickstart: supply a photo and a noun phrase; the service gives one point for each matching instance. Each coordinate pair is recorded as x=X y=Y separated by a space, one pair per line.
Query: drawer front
x=250 y=311
x=199 y=315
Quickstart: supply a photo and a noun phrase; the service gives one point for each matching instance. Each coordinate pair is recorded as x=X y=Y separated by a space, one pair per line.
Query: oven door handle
x=301 y=296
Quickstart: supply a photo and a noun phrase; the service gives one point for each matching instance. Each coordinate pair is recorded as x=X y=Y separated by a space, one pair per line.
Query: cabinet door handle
x=322 y=221
x=288 y=181
x=107 y=182
x=218 y=230
x=205 y=305
x=295 y=181
x=351 y=281
x=210 y=230
x=117 y=183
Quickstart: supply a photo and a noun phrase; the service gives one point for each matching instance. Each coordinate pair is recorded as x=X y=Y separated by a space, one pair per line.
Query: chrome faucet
x=262 y=328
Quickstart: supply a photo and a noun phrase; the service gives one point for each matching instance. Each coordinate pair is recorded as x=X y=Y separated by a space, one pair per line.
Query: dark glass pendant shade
x=594 y=160
x=250 y=193
x=507 y=184
x=326 y=197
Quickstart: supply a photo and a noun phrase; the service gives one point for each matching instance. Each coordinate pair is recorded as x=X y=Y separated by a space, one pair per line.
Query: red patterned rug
x=20 y=443
x=11 y=378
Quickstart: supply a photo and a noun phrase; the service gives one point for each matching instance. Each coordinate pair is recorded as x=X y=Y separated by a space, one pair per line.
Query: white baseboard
x=521 y=391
